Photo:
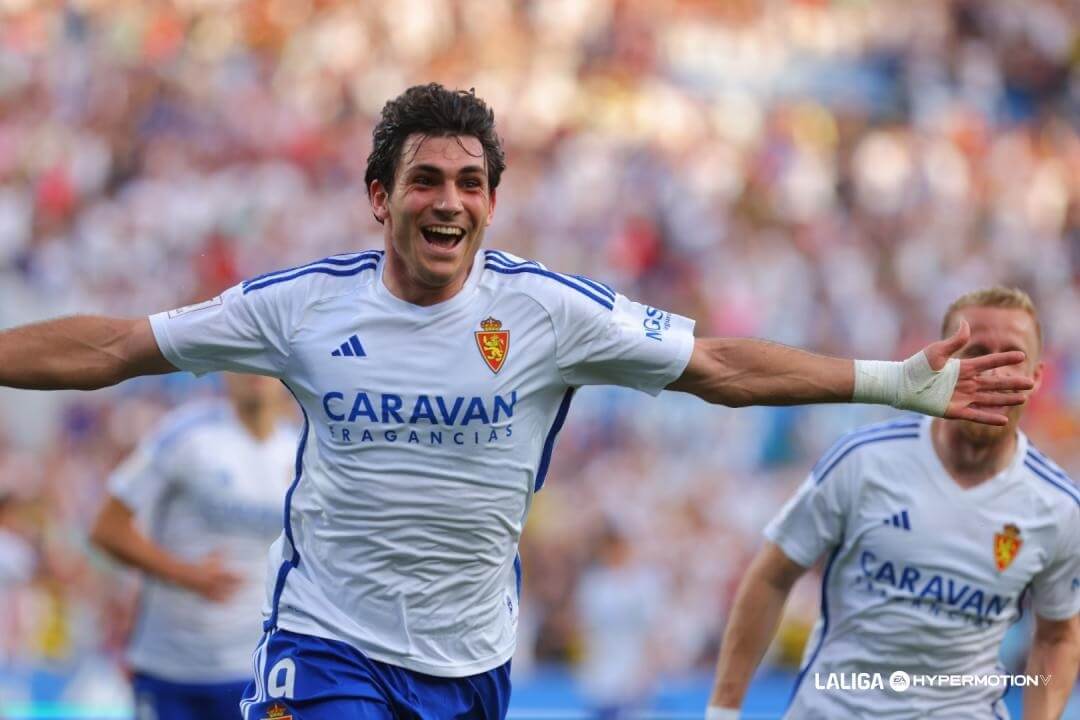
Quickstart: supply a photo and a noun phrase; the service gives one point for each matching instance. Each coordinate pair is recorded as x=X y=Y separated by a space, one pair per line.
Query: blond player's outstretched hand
x=933 y=382
x=979 y=394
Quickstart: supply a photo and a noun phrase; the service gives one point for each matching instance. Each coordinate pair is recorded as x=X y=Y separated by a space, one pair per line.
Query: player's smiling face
x=434 y=216
x=994 y=330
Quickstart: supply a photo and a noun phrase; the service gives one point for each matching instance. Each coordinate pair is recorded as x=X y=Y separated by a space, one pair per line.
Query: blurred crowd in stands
x=824 y=174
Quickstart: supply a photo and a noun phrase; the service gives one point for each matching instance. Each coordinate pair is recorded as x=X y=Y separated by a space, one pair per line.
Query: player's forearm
x=750 y=630
x=739 y=371
x=123 y=541
x=80 y=353
x=1060 y=660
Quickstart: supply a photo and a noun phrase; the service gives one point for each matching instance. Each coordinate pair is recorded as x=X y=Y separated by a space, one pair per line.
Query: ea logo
x=899 y=681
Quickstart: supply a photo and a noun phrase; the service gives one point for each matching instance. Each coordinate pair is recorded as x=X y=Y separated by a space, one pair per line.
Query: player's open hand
x=981 y=395
x=212 y=580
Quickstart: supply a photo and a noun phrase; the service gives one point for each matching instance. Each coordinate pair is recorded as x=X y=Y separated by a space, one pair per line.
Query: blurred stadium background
x=826 y=174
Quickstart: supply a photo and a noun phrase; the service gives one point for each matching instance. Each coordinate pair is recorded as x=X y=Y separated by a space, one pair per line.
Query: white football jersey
x=200 y=484
x=922 y=575
x=428 y=429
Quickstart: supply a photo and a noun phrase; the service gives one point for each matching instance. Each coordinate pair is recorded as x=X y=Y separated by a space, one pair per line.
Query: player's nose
x=449 y=200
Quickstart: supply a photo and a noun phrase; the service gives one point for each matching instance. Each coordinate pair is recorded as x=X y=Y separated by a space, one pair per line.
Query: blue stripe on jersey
x=839 y=445
x=321 y=270
x=895 y=435
x=597 y=286
x=549 y=442
x=517 y=575
x=345 y=267
x=499 y=258
x=824 y=620
x=287 y=565
x=1050 y=465
x=1071 y=491
x=340 y=260
x=503 y=259
x=565 y=280
x=183 y=423
x=1020 y=604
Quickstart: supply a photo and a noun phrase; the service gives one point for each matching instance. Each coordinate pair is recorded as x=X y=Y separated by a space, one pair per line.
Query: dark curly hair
x=432 y=110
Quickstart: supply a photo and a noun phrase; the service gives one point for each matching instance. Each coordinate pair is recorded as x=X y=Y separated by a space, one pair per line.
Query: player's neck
x=258 y=420
x=405 y=287
x=968 y=462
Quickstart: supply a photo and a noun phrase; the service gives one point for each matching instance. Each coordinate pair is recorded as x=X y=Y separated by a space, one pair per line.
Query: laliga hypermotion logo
x=1006 y=545
x=494 y=343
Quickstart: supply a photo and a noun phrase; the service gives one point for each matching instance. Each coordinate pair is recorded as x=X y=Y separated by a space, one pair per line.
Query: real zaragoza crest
x=1006 y=545
x=278 y=712
x=494 y=343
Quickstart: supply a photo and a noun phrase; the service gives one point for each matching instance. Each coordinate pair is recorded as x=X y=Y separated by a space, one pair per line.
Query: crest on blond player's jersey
x=277 y=712
x=494 y=343
x=1006 y=546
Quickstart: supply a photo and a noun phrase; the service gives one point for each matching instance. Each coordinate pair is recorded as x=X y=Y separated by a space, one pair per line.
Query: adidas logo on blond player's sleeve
x=899 y=520
x=350 y=348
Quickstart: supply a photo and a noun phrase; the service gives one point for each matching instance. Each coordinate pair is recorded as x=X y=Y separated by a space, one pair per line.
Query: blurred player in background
x=620 y=602
x=18 y=558
x=434 y=378
x=194 y=508
x=934 y=530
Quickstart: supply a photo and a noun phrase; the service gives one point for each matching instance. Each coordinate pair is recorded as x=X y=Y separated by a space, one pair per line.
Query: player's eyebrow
x=436 y=170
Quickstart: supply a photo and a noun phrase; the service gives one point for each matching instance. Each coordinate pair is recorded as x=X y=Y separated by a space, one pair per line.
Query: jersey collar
x=462 y=297
x=983 y=489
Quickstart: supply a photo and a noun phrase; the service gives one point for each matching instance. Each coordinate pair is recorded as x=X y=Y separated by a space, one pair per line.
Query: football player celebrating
x=434 y=377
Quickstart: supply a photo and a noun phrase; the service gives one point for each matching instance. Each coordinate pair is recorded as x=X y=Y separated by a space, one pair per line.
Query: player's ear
x=491 y=208
x=1037 y=376
x=379 y=197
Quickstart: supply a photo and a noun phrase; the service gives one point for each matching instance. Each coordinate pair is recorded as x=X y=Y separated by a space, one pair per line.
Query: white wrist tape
x=908 y=385
x=720 y=713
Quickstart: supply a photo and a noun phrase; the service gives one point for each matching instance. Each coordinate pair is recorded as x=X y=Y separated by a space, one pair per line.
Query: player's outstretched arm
x=1055 y=651
x=116 y=533
x=83 y=352
x=759 y=603
x=738 y=372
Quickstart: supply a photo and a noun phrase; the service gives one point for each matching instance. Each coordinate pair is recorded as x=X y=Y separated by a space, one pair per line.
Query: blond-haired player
x=933 y=530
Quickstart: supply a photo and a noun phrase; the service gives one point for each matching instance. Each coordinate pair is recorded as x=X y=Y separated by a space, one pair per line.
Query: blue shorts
x=300 y=677
x=157 y=699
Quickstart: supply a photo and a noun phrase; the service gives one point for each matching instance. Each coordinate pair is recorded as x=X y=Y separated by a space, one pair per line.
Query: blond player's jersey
x=922 y=575
x=428 y=430
x=203 y=484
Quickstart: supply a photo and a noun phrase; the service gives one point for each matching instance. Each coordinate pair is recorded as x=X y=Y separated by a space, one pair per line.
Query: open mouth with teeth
x=443 y=236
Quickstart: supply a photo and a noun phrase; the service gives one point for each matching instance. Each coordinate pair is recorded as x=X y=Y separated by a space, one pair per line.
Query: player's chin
x=984 y=434
x=441 y=272
x=981 y=433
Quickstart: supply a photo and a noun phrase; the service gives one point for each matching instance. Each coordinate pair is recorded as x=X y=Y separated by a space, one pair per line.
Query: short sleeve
x=621 y=342
x=141 y=479
x=812 y=522
x=1055 y=591
x=241 y=331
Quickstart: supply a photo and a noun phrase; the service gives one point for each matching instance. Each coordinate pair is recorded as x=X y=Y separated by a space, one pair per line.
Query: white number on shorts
x=282 y=679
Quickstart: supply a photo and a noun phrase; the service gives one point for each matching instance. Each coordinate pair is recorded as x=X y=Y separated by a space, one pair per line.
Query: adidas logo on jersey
x=899 y=520
x=350 y=348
